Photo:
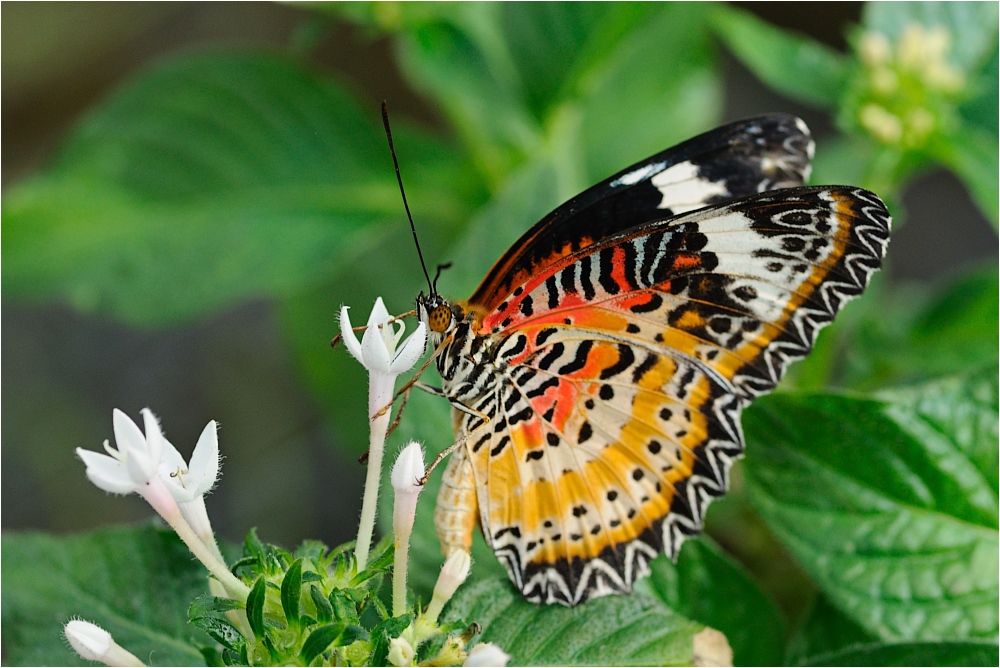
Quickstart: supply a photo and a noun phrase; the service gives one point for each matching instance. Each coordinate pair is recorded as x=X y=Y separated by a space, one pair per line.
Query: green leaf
x=710 y=587
x=792 y=64
x=319 y=640
x=957 y=329
x=628 y=110
x=614 y=630
x=291 y=590
x=825 y=630
x=913 y=654
x=909 y=333
x=972 y=25
x=210 y=179
x=891 y=506
x=255 y=607
x=324 y=609
x=389 y=628
x=972 y=154
x=135 y=582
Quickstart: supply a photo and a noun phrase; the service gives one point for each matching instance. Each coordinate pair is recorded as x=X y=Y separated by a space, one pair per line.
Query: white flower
x=405 y=479
x=134 y=463
x=187 y=483
x=379 y=349
x=453 y=574
x=487 y=654
x=95 y=644
x=400 y=652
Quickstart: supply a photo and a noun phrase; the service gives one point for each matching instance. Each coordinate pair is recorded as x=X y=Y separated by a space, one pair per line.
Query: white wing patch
x=683 y=190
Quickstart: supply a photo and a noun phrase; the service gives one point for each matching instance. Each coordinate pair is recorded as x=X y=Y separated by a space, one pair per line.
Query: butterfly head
x=438 y=314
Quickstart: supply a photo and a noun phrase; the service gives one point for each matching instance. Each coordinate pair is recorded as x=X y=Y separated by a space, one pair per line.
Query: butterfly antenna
x=395 y=162
x=441 y=267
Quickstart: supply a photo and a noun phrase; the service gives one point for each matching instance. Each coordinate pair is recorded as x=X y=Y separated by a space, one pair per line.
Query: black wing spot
x=665 y=414
x=654 y=447
x=534 y=454
x=612 y=495
x=586 y=431
x=607 y=392
x=579 y=511
x=552 y=439
x=637 y=474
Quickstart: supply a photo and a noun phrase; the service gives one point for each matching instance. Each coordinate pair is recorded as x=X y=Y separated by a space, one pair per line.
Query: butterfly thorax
x=463 y=359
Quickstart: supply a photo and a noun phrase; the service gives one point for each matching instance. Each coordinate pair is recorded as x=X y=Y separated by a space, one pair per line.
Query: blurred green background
x=290 y=467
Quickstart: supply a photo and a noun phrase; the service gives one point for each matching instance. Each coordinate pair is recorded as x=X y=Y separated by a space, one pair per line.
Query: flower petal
x=379 y=315
x=106 y=472
x=350 y=338
x=376 y=357
x=127 y=434
x=204 y=469
x=412 y=349
x=154 y=437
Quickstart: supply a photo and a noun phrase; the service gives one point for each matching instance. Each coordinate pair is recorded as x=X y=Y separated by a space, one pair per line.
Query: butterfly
x=598 y=373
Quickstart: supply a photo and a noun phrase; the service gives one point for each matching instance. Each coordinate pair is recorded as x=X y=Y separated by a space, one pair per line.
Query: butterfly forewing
x=603 y=364
x=733 y=161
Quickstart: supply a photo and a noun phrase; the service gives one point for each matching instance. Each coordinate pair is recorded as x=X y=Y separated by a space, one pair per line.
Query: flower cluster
x=909 y=88
x=281 y=608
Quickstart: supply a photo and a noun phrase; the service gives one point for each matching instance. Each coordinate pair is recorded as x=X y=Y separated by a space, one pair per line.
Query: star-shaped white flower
x=379 y=350
x=134 y=463
x=188 y=482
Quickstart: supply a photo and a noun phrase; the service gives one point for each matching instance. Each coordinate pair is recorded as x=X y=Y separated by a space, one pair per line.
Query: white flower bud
x=487 y=654
x=453 y=574
x=400 y=652
x=95 y=644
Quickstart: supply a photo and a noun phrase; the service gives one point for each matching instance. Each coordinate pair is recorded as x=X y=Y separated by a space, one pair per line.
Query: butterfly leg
x=462 y=440
x=457 y=507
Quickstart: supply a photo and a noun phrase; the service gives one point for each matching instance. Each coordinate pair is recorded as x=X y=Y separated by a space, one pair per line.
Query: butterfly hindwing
x=624 y=368
x=736 y=160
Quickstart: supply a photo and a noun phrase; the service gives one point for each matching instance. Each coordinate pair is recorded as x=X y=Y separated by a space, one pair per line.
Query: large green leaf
x=209 y=179
x=135 y=582
x=793 y=64
x=710 y=587
x=614 y=630
x=890 y=505
x=912 y=654
x=972 y=26
x=825 y=630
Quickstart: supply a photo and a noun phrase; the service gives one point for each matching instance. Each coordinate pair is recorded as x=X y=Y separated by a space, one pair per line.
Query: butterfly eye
x=439 y=319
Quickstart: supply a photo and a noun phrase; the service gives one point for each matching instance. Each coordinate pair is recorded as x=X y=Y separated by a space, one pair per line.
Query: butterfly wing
x=736 y=160
x=626 y=366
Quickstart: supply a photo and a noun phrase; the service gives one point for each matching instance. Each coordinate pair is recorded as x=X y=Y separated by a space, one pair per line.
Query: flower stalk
x=380 y=352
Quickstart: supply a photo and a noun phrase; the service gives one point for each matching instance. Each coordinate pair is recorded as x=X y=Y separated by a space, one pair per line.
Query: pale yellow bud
x=874 y=49
x=711 y=648
x=884 y=81
x=910 y=48
x=884 y=126
x=400 y=652
x=943 y=77
x=937 y=42
x=919 y=123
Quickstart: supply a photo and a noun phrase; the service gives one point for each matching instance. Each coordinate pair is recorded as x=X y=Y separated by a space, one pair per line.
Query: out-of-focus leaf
x=793 y=64
x=972 y=25
x=972 y=154
x=908 y=333
x=710 y=587
x=613 y=630
x=630 y=110
x=134 y=582
x=892 y=509
x=210 y=179
x=958 y=328
x=825 y=630
x=912 y=654
x=982 y=109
